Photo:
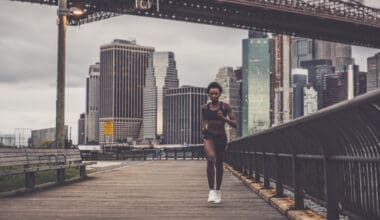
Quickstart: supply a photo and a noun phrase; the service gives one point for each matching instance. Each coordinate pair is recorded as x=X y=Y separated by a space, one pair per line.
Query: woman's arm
x=203 y=121
x=231 y=117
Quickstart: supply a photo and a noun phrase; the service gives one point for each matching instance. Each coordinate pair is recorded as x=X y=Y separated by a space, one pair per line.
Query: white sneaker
x=218 y=196
x=211 y=196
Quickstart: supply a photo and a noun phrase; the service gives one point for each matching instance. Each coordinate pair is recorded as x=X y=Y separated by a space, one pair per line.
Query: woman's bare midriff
x=215 y=127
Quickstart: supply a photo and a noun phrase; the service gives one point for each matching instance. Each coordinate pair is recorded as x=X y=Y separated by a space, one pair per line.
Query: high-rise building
x=45 y=138
x=299 y=81
x=92 y=105
x=310 y=101
x=182 y=115
x=162 y=70
x=150 y=103
x=231 y=94
x=324 y=50
x=22 y=136
x=256 y=71
x=301 y=50
x=352 y=80
x=334 y=88
x=81 y=129
x=340 y=54
x=356 y=81
x=239 y=118
x=281 y=84
x=343 y=56
x=304 y=49
x=123 y=67
x=7 y=140
x=362 y=83
x=316 y=70
x=373 y=74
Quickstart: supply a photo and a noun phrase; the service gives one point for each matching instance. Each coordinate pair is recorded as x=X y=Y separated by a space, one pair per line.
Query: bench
x=29 y=161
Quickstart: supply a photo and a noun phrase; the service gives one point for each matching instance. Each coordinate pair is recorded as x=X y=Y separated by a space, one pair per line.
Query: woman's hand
x=220 y=115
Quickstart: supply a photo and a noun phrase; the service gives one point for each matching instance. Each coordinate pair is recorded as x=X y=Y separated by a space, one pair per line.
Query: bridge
x=331 y=20
x=329 y=160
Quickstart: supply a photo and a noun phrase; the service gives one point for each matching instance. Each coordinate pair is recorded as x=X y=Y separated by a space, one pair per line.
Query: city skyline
x=32 y=84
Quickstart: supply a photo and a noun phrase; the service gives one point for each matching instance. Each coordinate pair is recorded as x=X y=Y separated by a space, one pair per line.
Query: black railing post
x=166 y=153
x=278 y=173
x=330 y=178
x=29 y=180
x=298 y=194
x=184 y=153
x=250 y=168
x=265 y=171
x=175 y=153
x=255 y=162
x=240 y=159
x=60 y=175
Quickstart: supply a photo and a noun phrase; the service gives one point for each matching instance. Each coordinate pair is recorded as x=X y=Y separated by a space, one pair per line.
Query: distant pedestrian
x=214 y=116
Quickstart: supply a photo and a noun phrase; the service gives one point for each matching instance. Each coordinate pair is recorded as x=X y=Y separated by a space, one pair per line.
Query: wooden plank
x=7 y=159
x=41 y=151
x=13 y=163
x=12 y=154
x=11 y=150
x=42 y=154
x=142 y=190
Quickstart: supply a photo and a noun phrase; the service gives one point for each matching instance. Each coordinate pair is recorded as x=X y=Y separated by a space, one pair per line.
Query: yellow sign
x=108 y=128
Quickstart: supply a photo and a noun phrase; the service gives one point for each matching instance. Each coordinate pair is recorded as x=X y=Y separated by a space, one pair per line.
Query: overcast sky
x=28 y=58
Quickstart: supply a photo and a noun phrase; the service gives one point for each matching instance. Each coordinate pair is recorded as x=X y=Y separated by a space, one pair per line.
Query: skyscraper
x=150 y=103
x=362 y=83
x=282 y=93
x=256 y=71
x=81 y=129
x=373 y=75
x=340 y=54
x=239 y=118
x=317 y=69
x=299 y=81
x=334 y=88
x=231 y=94
x=163 y=70
x=324 y=50
x=123 y=66
x=45 y=138
x=182 y=115
x=301 y=50
x=343 y=56
x=304 y=49
x=310 y=100
x=92 y=105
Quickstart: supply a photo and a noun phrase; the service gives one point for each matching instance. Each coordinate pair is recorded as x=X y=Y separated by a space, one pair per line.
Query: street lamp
x=63 y=12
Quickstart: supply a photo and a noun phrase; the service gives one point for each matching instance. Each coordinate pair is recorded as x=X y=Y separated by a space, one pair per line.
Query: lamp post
x=60 y=102
x=63 y=12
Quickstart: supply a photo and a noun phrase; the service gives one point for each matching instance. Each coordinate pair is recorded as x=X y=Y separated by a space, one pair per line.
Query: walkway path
x=142 y=190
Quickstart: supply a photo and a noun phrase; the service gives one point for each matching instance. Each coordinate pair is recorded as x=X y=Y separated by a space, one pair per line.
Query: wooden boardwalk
x=142 y=190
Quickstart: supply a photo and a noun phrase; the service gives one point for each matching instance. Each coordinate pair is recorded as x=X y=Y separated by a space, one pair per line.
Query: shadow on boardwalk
x=145 y=190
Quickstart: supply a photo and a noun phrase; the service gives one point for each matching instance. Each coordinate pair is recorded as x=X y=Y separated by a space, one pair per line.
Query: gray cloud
x=372 y=3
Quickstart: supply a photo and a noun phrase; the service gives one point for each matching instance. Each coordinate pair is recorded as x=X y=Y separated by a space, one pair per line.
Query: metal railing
x=331 y=157
x=177 y=153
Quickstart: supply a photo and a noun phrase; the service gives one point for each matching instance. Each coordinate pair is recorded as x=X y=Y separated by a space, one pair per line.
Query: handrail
x=332 y=155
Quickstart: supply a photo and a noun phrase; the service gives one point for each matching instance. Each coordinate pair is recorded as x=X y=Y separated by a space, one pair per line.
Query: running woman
x=214 y=116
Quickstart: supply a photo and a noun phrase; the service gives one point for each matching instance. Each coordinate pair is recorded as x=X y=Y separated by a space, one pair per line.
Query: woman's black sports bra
x=209 y=114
